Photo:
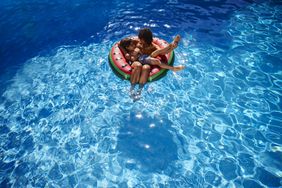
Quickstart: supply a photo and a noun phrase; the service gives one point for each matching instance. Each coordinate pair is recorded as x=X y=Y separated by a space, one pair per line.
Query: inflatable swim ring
x=123 y=69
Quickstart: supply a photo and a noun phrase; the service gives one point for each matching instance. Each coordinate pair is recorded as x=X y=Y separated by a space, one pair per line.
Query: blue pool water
x=67 y=121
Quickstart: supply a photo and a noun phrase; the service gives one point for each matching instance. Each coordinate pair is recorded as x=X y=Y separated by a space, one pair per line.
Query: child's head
x=127 y=44
x=145 y=35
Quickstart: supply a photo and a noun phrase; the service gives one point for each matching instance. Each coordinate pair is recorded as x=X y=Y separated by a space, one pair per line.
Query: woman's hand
x=133 y=58
x=127 y=56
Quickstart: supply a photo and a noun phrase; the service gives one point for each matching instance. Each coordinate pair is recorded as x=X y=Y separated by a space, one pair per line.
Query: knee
x=146 y=67
x=158 y=62
x=136 y=64
x=155 y=61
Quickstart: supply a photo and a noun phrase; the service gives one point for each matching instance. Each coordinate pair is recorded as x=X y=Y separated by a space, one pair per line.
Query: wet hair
x=124 y=43
x=146 y=35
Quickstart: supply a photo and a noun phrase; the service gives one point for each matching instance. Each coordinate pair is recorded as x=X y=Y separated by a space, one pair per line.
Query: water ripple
x=67 y=120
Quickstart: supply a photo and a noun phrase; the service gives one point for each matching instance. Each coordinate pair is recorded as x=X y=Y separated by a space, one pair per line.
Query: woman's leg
x=135 y=75
x=144 y=74
x=143 y=80
x=136 y=71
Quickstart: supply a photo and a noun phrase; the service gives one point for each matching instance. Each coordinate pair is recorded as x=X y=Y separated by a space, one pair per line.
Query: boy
x=150 y=51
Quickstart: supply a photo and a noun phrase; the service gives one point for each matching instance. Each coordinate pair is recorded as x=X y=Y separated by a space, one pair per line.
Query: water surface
x=67 y=121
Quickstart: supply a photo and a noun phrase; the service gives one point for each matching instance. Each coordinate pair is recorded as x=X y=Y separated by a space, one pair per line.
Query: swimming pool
x=67 y=121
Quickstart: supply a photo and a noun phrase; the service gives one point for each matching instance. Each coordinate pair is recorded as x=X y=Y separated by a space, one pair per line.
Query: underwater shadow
x=147 y=141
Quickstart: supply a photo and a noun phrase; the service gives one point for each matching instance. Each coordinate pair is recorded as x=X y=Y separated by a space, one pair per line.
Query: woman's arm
x=125 y=53
x=135 y=54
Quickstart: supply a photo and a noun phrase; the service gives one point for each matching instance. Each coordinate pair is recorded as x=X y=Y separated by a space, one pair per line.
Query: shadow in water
x=147 y=141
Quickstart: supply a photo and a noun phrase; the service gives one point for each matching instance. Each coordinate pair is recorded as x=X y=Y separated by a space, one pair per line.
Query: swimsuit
x=144 y=59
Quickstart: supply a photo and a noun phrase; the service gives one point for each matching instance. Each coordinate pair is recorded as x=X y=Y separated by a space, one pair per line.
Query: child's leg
x=162 y=51
x=155 y=61
x=167 y=49
x=175 y=41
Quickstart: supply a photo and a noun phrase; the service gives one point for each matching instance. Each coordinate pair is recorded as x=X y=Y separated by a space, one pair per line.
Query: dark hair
x=124 y=43
x=146 y=35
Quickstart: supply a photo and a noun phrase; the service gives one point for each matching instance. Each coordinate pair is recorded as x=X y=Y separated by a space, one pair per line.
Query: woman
x=140 y=72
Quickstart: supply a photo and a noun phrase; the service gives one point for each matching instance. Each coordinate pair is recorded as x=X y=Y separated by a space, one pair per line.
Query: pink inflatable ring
x=123 y=69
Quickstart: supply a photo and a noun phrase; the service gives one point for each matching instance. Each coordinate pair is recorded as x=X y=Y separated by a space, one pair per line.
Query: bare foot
x=175 y=41
x=178 y=68
x=170 y=47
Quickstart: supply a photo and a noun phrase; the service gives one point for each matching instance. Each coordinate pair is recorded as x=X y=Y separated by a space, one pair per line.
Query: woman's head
x=127 y=44
x=145 y=35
